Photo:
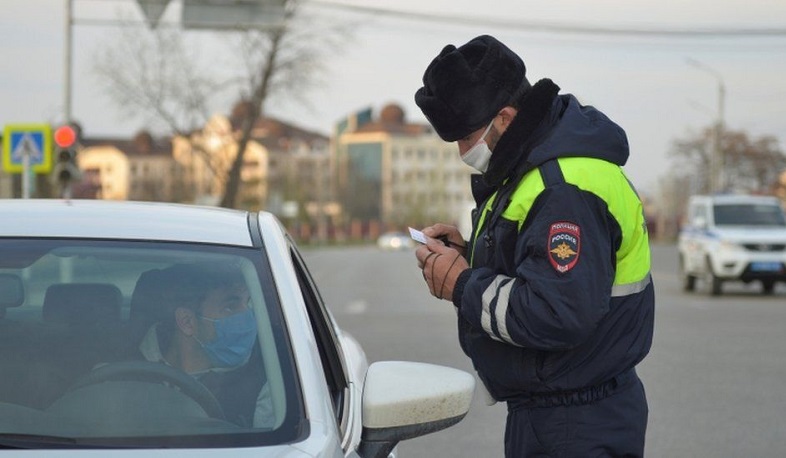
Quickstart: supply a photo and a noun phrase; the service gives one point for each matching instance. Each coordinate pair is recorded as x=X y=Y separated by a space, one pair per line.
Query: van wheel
x=768 y=286
x=688 y=281
x=713 y=282
x=715 y=286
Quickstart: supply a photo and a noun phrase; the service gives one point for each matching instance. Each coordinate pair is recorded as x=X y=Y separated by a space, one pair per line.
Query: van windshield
x=748 y=215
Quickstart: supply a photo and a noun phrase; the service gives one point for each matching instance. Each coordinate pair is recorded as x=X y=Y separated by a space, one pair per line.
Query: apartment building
x=141 y=168
x=284 y=166
x=399 y=173
x=299 y=173
x=207 y=155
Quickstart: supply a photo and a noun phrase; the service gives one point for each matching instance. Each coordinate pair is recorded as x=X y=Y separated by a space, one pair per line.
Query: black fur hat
x=465 y=87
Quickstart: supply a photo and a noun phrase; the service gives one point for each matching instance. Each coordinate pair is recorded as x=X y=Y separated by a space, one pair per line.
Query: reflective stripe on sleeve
x=495 y=302
x=485 y=315
x=631 y=288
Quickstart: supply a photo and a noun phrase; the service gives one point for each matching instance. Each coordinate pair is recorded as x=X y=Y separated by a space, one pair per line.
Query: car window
x=698 y=212
x=748 y=215
x=328 y=344
x=123 y=344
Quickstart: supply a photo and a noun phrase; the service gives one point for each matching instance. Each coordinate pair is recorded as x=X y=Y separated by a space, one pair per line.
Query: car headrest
x=147 y=295
x=12 y=291
x=146 y=300
x=82 y=303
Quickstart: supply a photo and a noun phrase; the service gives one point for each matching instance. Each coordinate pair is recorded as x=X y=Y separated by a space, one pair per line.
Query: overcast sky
x=642 y=82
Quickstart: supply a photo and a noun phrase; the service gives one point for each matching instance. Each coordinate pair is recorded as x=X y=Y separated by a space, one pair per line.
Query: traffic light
x=65 y=171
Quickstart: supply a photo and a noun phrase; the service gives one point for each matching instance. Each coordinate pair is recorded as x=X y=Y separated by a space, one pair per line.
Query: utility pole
x=67 y=63
x=718 y=162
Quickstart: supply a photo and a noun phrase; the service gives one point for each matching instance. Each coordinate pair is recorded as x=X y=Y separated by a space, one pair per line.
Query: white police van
x=733 y=238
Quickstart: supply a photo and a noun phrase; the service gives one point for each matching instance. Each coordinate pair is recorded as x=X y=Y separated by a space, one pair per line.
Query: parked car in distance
x=733 y=238
x=395 y=241
x=155 y=328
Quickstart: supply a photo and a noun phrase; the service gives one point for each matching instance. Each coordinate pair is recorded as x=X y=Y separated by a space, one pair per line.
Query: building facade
x=138 y=169
x=299 y=174
x=283 y=167
x=207 y=156
x=399 y=174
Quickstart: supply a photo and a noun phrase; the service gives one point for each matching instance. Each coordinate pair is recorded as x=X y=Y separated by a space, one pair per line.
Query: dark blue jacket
x=558 y=296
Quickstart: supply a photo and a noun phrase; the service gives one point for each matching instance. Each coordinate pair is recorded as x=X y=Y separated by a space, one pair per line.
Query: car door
x=330 y=351
x=695 y=237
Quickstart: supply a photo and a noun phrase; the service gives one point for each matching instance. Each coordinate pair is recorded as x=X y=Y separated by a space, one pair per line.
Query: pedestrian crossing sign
x=31 y=142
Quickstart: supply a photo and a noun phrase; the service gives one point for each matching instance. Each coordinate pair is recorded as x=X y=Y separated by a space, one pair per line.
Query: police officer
x=553 y=289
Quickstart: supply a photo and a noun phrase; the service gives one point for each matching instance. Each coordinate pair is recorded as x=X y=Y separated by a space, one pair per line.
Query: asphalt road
x=715 y=378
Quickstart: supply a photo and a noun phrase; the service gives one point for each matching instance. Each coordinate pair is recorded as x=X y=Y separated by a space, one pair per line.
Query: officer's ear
x=505 y=117
x=185 y=320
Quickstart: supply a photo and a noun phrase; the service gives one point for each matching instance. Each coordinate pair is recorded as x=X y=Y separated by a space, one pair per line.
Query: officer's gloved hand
x=449 y=235
x=441 y=267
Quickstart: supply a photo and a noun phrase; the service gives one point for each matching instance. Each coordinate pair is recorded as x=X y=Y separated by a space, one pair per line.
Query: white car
x=161 y=328
x=394 y=241
x=733 y=238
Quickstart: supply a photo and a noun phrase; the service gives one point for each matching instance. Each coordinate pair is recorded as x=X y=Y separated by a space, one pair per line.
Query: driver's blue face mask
x=235 y=337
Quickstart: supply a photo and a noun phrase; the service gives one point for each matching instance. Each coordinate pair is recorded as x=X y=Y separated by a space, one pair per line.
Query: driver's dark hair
x=190 y=284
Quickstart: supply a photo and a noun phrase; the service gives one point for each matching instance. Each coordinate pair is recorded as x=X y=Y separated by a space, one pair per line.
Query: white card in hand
x=417 y=235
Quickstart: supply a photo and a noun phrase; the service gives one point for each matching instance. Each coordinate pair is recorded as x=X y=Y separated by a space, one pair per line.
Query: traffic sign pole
x=26 y=174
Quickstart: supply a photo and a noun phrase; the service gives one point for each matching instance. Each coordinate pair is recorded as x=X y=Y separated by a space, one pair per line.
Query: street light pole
x=718 y=162
x=67 y=63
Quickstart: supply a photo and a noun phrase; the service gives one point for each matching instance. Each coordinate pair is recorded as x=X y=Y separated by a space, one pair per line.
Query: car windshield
x=748 y=215
x=139 y=344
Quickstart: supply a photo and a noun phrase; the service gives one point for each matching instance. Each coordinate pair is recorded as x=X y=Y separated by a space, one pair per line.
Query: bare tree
x=156 y=74
x=753 y=164
x=673 y=193
x=780 y=189
x=749 y=165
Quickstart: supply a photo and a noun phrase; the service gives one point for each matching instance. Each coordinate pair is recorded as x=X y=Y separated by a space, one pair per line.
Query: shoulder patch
x=564 y=245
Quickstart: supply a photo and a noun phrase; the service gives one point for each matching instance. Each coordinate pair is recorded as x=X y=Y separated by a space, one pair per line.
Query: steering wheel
x=150 y=372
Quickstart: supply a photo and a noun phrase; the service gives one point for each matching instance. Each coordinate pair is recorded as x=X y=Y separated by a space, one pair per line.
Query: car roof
x=737 y=199
x=105 y=219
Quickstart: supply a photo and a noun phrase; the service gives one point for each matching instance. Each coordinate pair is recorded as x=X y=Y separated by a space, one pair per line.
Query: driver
x=209 y=332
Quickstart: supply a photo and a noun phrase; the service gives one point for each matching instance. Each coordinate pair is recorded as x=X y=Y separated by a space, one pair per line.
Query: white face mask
x=479 y=155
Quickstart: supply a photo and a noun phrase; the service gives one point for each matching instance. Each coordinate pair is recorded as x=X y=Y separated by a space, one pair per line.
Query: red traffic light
x=65 y=136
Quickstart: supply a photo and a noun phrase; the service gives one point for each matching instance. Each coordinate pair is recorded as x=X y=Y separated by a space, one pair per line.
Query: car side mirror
x=403 y=400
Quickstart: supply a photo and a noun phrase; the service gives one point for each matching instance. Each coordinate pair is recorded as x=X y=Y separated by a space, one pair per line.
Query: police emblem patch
x=564 y=245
